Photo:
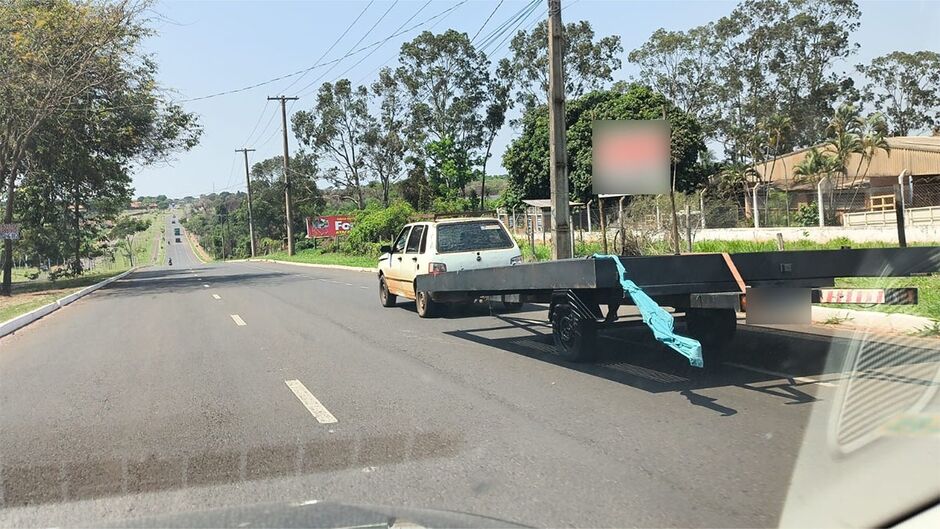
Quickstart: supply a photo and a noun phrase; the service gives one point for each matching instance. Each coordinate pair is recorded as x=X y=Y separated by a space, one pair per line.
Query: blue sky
x=206 y=47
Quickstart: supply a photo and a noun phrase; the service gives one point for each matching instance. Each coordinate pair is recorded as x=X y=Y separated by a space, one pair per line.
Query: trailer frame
x=709 y=288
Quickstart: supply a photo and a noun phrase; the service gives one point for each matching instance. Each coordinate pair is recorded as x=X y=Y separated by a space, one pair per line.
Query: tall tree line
x=79 y=109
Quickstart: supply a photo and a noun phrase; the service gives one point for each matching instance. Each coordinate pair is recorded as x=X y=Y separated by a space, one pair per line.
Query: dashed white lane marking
x=318 y=410
x=805 y=380
x=348 y=284
x=238 y=320
x=363 y=286
x=216 y=296
x=205 y=285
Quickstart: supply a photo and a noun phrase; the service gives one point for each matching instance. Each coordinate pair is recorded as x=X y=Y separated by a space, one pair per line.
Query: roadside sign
x=10 y=231
x=328 y=226
x=630 y=157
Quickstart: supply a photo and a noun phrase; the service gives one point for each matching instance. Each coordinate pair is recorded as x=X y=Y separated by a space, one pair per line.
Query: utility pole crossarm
x=287 y=194
x=251 y=222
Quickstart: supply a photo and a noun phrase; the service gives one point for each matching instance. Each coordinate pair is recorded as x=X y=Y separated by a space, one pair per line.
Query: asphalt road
x=194 y=386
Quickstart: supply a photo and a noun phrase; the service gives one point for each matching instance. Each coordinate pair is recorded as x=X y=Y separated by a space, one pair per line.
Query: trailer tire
x=711 y=327
x=427 y=307
x=385 y=297
x=575 y=338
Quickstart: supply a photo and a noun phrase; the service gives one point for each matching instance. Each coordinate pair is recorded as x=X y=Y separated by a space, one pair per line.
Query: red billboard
x=329 y=226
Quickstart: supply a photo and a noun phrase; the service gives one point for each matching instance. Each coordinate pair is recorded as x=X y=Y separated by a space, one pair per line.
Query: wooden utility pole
x=251 y=222
x=558 y=165
x=287 y=201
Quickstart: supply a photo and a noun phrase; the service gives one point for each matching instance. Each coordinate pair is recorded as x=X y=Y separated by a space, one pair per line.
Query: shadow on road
x=165 y=281
x=96 y=477
x=782 y=363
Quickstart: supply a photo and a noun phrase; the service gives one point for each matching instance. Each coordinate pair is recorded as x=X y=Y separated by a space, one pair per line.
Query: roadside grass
x=200 y=252
x=32 y=295
x=928 y=331
x=836 y=320
x=928 y=294
x=315 y=256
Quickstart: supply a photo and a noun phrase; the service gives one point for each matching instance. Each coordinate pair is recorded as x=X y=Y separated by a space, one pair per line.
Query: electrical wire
x=321 y=57
x=487 y=21
x=358 y=42
x=340 y=76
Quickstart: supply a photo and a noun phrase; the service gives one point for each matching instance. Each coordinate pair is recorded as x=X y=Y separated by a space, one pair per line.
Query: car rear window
x=472 y=236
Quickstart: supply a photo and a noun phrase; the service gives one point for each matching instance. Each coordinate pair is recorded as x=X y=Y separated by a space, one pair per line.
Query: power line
x=485 y=22
x=386 y=61
x=340 y=76
x=288 y=75
x=258 y=122
x=509 y=25
x=366 y=34
x=349 y=27
x=320 y=58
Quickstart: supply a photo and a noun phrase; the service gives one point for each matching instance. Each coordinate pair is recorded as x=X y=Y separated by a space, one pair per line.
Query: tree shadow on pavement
x=146 y=283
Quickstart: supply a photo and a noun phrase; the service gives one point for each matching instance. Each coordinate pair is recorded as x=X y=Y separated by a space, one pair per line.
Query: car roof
x=459 y=219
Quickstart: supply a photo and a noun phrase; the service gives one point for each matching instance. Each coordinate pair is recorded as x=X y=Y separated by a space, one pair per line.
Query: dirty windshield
x=445 y=263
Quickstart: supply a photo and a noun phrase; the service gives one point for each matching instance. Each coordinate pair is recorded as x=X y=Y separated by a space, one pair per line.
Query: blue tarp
x=658 y=320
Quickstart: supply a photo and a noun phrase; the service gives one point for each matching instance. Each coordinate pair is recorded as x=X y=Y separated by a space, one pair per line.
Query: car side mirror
x=385 y=248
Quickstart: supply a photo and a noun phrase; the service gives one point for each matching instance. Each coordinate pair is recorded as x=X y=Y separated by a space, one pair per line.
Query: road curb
x=17 y=323
x=315 y=265
x=884 y=321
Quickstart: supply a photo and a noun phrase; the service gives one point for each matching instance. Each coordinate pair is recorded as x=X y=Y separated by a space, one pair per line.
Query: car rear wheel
x=387 y=298
x=427 y=307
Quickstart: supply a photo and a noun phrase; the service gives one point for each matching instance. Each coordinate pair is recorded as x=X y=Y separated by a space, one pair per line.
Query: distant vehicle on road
x=434 y=247
x=178 y=239
x=173 y=221
x=176 y=231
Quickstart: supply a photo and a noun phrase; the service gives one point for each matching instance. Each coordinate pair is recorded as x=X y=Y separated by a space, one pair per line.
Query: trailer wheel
x=385 y=297
x=712 y=327
x=575 y=338
x=427 y=307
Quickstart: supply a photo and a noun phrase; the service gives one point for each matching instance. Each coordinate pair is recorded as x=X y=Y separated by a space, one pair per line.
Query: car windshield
x=471 y=236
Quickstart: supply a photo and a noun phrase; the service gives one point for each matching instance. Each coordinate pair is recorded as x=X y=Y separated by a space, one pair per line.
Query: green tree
x=495 y=118
x=680 y=65
x=588 y=62
x=447 y=80
x=78 y=106
x=385 y=144
x=336 y=130
x=905 y=87
x=527 y=157
x=766 y=58
x=124 y=233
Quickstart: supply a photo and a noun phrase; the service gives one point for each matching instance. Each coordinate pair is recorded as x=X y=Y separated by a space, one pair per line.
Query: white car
x=433 y=247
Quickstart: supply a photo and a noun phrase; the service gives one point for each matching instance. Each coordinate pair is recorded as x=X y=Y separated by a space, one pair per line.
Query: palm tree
x=735 y=177
x=873 y=136
x=776 y=126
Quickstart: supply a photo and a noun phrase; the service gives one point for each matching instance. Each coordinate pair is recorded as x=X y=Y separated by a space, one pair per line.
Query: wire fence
x=646 y=224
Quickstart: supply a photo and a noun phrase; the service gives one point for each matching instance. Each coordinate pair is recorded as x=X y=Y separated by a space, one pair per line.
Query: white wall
x=817 y=234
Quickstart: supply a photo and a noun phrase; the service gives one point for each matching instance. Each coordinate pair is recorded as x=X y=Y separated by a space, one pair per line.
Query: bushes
x=374 y=225
x=808 y=215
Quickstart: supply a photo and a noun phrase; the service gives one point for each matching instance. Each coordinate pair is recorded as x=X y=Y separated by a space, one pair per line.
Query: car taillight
x=515 y=260
x=437 y=268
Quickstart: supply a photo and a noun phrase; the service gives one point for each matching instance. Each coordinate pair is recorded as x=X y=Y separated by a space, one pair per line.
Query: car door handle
x=399 y=258
x=415 y=259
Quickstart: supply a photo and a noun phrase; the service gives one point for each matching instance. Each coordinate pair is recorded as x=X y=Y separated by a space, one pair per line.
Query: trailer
x=710 y=289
